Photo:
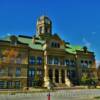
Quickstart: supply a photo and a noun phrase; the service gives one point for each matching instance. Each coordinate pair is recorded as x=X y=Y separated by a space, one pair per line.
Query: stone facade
x=42 y=60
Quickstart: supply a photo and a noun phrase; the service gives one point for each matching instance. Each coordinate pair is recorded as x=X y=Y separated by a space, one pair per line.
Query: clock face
x=47 y=21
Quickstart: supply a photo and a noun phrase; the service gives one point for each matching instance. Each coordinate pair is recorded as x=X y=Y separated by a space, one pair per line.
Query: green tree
x=84 y=79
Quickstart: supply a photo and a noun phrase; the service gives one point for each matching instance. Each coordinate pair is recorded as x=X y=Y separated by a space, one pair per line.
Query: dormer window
x=55 y=45
x=13 y=40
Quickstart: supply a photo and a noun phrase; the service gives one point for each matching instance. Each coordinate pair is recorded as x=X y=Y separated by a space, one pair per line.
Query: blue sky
x=76 y=21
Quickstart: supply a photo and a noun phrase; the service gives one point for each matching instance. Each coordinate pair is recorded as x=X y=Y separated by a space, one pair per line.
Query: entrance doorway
x=63 y=76
x=57 y=76
x=50 y=74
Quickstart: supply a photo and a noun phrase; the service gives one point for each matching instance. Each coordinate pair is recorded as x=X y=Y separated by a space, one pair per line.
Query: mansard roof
x=38 y=44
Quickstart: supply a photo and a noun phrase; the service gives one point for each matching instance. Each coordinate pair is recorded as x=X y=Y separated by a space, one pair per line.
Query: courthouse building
x=42 y=59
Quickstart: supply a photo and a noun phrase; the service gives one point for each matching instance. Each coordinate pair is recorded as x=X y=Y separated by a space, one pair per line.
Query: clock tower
x=44 y=26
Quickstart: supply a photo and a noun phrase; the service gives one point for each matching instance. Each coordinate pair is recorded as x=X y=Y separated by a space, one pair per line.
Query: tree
x=84 y=79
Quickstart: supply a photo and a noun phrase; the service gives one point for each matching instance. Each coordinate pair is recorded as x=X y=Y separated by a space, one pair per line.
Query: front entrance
x=63 y=76
x=57 y=76
x=51 y=75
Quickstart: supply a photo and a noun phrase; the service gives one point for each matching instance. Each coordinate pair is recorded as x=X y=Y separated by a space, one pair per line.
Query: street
x=58 y=95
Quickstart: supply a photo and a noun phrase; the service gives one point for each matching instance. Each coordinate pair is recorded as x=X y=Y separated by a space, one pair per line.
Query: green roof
x=26 y=41
x=29 y=42
x=72 y=49
x=38 y=44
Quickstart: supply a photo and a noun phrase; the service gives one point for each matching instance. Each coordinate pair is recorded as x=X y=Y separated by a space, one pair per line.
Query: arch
x=57 y=76
x=51 y=74
x=63 y=76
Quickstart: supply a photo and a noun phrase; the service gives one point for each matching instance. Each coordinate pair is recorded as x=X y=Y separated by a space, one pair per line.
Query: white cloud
x=8 y=34
x=86 y=42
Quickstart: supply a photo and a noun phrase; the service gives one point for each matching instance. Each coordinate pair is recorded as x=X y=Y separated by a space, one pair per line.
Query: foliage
x=90 y=81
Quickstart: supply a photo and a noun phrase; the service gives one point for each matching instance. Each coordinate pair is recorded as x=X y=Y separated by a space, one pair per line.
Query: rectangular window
x=2 y=84
x=66 y=62
x=50 y=61
x=1 y=71
x=32 y=60
x=12 y=60
x=10 y=71
x=17 y=84
x=56 y=61
x=31 y=72
x=10 y=84
x=18 y=71
x=4 y=59
x=39 y=60
x=18 y=60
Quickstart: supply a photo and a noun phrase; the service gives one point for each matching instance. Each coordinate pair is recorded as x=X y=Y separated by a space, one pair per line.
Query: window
x=4 y=59
x=90 y=62
x=17 y=84
x=18 y=72
x=58 y=45
x=14 y=43
x=40 y=29
x=72 y=63
x=52 y=44
x=32 y=60
x=47 y=30
x=12 y=60
x=50 y=74
x=2 y=84
x=1 y=71
x=55 y=45
x=86 y=62
x=39 y=72
x=18 y=61
x=56 y=61
x=50 y=61
x=66 y=62
x=39 y=60
x=10 y=84
x=31 y=72
x=10 y=71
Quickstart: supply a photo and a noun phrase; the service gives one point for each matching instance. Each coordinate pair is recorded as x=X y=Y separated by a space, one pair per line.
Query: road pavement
x=76 y=94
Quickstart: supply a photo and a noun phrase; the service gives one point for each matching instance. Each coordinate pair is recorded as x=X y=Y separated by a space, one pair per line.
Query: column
x=46 y=73
x=60 y=78
x=53 y=75
x=46 y=76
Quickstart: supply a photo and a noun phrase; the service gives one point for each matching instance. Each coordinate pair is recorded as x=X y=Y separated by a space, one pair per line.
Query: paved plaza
x=58 y=95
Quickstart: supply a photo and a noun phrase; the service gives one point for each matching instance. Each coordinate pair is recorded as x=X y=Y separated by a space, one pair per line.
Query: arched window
x=57 y=76
x=40 y=29
x=52 y=44
x=63 y=76
x=50 y=74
